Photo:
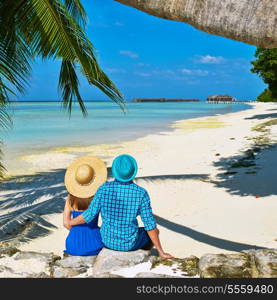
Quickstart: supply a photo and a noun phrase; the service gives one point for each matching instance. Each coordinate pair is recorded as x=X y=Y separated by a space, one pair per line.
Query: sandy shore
x=212 y=182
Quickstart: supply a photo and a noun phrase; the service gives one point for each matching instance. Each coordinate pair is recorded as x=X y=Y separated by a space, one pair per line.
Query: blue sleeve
x=94 y=207
x=146 y=213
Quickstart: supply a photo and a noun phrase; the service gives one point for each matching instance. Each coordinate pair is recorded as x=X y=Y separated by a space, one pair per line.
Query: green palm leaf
x=76 y=10
x=48 y=29
x=69 y=84
x=5 y=123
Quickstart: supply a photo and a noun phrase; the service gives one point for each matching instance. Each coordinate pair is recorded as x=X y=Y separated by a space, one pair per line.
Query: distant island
x=163 y=100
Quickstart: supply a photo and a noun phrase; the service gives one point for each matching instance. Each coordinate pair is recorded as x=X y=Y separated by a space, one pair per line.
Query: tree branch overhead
x=250 y=21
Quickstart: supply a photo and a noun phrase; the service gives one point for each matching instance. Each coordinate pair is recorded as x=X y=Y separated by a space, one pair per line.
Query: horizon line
x=60 y=101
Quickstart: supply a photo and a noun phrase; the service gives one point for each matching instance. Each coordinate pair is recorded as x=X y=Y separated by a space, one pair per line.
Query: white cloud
x=161 y=73
x=116 y=71
x=101 y=25
x=186 y=71
x=197 y=72
x=201 y=72
x=119 y=24
x=208 y=59
x=142 y=64
x=172 y=74
x=143 y=74
x=129 y=54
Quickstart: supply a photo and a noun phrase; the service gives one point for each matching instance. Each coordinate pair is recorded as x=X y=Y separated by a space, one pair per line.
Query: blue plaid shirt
x=120 y=203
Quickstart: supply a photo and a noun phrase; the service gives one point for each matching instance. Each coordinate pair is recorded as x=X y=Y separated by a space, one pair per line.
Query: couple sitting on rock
x=119 y=202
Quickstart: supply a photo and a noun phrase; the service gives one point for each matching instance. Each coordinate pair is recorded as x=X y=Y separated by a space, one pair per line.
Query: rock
x=188 y=265
x=6 y=272
x=153 y=259
x=30 y=263
x=43 y=257
x=73 y=266
x=110 y=260
x=60 y=272
x=7 y=249
x=106 y=275
x=154 y=275
x=77 y=261
x=252 y=263
x=39 y=275
x=237 y=265
x=265 y=261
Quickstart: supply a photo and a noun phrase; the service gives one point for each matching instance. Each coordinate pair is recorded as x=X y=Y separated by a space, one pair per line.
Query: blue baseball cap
x=124 y=168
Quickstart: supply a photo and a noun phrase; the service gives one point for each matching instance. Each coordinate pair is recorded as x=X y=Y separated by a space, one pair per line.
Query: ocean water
x=41 y=125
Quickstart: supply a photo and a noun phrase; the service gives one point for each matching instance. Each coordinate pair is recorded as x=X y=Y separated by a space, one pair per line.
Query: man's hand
x=154 y=237
x=165 y=255
x=77 y=221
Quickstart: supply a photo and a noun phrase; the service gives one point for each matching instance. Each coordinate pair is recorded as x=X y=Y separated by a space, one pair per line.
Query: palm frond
x=15 y=54
x=48 y=29
x=5 y=120
x=54 y=33
x=2 y=168
x=77 y=11
x=69 y=85
x=14 y=62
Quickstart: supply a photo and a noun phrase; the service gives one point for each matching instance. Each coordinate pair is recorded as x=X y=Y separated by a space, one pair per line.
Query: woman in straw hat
x=82 y=179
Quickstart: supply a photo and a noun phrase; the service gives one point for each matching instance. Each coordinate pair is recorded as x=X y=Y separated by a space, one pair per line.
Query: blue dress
x=84 y=239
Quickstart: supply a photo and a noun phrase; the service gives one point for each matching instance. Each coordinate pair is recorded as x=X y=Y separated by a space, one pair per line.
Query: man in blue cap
x=120 y=202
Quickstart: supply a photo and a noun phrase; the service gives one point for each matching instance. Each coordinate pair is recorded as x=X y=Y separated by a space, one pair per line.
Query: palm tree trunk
x=249 y=21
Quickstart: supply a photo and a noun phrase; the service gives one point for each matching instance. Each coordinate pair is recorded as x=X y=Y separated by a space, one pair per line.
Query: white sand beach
x=202 y=204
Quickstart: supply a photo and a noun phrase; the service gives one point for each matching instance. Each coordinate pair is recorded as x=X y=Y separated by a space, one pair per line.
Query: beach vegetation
x=188 y=265
x=266 y=96
x=263 y=127
x=43 y=29
x=265 y=66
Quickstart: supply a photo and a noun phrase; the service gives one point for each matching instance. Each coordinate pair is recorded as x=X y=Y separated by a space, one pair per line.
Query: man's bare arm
x=77 y=221
x=154 y=236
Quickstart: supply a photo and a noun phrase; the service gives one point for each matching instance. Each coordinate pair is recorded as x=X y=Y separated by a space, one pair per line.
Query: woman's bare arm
x=67 y=215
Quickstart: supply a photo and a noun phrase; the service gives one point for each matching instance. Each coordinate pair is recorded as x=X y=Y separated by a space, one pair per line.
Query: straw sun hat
x=84 y=176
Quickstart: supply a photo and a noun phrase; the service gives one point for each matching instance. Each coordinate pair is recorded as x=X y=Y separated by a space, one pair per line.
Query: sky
x=146 y=56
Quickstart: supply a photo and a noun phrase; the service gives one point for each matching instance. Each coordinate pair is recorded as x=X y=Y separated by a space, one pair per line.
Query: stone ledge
x=109 y=264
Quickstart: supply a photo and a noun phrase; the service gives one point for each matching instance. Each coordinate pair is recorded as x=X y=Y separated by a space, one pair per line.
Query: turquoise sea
x=43 y=125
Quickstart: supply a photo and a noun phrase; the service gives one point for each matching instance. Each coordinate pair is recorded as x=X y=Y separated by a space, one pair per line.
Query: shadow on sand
x=205 y=238
x=174 y=177
x=32 y=197
x=251 y=174
x=263 y=116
